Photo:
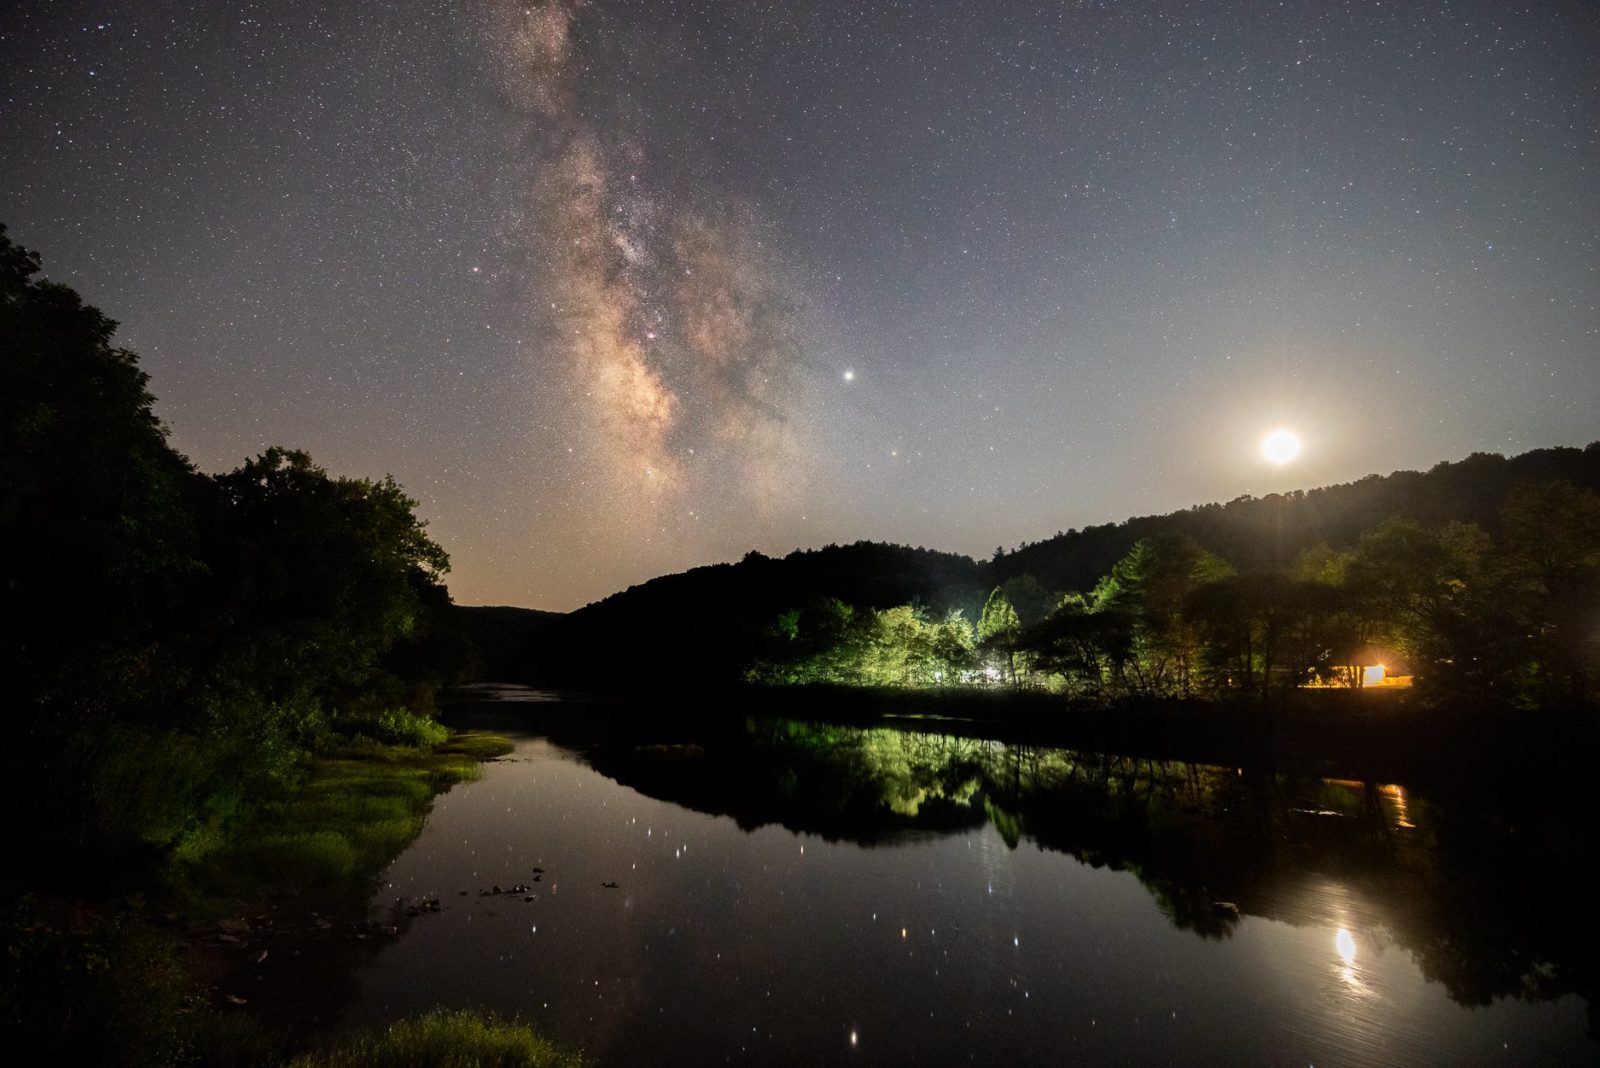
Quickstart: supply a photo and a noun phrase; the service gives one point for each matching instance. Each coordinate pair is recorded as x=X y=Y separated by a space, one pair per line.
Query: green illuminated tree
x=1150 y=587
x=998 y=631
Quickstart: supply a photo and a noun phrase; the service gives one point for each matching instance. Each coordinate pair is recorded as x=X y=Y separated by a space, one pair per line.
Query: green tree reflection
x=1453 y=886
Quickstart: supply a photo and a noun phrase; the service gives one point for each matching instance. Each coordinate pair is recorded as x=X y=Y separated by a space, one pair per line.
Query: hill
x=1255 y=533
x=701 y=627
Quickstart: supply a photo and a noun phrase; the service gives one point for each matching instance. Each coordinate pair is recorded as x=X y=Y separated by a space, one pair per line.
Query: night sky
x=619 y=288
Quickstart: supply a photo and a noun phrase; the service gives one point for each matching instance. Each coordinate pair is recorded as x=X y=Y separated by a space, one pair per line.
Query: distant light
x=849 y=374
x=1280 y=446
x=1345 y=943
x=854 y=1040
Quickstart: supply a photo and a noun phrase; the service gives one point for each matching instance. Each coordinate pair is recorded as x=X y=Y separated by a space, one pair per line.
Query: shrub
x=444 y=1039
x=300 y=860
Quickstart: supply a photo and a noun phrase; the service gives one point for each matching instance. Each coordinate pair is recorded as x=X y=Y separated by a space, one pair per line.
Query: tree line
x=1506 y=619
x=175 y=639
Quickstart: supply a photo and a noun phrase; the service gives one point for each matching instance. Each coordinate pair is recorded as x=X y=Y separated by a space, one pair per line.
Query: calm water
x=787 y=893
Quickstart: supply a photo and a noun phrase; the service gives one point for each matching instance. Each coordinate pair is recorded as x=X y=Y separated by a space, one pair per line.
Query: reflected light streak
x=1402 y=816
x=1345 y=943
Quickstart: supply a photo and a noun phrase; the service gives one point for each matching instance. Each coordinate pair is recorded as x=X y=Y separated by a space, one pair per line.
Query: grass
x=443 y=1039
x=96 y=978
x=353 y=809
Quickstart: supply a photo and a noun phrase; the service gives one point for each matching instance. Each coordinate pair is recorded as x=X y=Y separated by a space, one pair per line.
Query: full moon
x=1280 y=446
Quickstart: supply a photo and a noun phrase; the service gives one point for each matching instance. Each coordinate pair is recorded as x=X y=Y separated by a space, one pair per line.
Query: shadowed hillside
x=703 y=627
x=1255 y=533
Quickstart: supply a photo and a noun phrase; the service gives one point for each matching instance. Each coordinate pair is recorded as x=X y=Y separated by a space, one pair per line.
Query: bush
x=443 y=1039
x=396 y=726
x=150 y=788
x=300 y=860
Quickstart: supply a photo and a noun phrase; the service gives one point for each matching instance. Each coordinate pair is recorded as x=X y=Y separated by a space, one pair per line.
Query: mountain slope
x=703 y=626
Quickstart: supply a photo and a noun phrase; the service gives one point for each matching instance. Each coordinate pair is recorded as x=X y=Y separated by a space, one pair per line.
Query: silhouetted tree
x=1551 y=583
x=96 y=510
x=317 y=577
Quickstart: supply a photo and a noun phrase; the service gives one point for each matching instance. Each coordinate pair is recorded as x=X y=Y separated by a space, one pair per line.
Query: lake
x=785 y=892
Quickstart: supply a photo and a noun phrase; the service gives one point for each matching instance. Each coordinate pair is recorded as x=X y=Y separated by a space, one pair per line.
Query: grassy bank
x=355 y=806
x=217 y=954
x=443 y=1039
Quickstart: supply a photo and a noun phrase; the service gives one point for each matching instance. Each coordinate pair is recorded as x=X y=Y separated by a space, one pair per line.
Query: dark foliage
x=499 y=642
x=703 y=627
x=172 y=638
x=1267 y=532
x=1474 y=576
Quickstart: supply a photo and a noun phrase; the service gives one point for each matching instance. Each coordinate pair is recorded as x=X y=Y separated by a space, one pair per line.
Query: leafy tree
x=1261 y=630
x=909 y=649
x=97 y=512
x=998 y=631
x=170 y=637
x=1087 y=651
x=953 y=650
x=1432 y=595
x=999 y=618
x=95 y=509
x=829 y=641
x=317 y=577
x=1340 y=626
x=1031 y=601
x=1151 y=586
x=1551 y=579
x=823 y=640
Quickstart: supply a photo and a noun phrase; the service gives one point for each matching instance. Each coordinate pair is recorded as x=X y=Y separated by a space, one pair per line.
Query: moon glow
x=1280 y=447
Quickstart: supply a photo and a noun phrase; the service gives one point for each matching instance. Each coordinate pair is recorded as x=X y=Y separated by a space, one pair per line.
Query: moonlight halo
x=1281 y=446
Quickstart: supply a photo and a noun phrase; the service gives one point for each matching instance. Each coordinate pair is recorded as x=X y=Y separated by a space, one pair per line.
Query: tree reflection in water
x=1489 y=903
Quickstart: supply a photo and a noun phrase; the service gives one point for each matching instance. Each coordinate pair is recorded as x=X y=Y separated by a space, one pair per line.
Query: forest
x=1506 y=620
x=1475 y=581
x=183 y=638
x=221 y=693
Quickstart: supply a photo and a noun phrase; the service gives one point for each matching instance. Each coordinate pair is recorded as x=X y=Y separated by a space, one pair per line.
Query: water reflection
x=1489 y=907
x=1344 y=942
x=789 y=892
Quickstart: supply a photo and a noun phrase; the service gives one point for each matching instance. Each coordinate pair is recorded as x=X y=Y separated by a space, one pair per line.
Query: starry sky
x=620 y=287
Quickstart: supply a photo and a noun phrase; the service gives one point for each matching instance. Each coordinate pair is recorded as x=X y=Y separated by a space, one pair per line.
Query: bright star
x=849 y=374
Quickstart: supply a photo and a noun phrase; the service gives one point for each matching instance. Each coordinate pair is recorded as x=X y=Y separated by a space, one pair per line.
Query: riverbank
x=1381 y=735
x=240 y=948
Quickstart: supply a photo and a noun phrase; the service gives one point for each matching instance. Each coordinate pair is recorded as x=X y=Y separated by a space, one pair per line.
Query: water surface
x=791 y=893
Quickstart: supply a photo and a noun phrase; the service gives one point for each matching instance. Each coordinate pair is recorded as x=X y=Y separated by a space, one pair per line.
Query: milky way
x=660 y=308
x=621 y=287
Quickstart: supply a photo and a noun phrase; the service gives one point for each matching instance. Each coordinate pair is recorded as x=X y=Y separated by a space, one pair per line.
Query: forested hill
x=709 y=622
x=1257 y=533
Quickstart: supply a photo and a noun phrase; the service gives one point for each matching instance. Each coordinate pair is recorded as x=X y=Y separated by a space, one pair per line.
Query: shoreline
x=1384 y=736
